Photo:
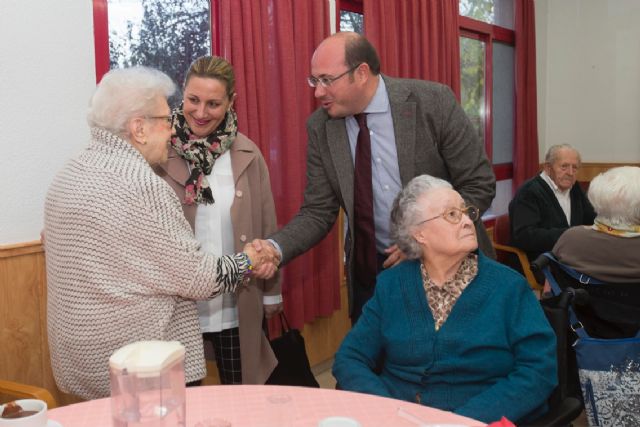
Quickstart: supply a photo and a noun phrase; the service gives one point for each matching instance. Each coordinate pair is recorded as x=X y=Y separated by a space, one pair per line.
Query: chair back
x=609 y=311
x=510 y=255
x=21 y=391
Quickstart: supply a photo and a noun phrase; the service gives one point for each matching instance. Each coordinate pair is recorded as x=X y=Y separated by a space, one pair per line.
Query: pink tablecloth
x=273 y=406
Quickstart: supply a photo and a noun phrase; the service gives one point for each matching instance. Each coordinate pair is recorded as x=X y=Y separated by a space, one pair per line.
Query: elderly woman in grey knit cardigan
x=122 y=262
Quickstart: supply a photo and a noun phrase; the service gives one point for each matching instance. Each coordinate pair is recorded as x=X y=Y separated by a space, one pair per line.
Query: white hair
x=406 y=213
x=552 y=153
x=126 y=93
x=615 y=196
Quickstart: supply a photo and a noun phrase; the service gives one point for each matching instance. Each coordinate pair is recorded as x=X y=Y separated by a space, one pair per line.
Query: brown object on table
x=13 y=410
x=10 y=410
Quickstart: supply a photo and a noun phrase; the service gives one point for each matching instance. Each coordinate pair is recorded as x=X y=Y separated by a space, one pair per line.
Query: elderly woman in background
x=609 y=250
x=223 y=182
x=454 y=329
x=122 y=262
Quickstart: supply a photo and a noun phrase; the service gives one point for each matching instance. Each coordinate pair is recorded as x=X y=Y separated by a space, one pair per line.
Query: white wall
x=47 y=75
x=588 y=61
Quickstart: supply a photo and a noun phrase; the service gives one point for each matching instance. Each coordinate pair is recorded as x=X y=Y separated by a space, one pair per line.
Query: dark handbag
x=293 y=364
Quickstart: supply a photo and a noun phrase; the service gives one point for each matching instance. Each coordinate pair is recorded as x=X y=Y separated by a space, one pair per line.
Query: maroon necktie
x=364 y=245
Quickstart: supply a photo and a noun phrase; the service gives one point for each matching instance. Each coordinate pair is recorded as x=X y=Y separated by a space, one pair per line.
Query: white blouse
x=214 y=230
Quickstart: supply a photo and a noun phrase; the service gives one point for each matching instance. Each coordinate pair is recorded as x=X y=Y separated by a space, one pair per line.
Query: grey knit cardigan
x=122 y=266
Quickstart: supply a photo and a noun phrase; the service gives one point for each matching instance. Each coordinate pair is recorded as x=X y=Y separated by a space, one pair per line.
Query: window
x=351 y=16
x=487 y=81
x=498 y=12
x=472 y=81
x=163 y=34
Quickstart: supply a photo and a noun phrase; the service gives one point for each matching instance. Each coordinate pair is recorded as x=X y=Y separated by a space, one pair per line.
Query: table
x=273 y=406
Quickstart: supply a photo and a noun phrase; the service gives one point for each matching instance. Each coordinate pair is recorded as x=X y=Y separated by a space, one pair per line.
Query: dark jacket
x=537 y=220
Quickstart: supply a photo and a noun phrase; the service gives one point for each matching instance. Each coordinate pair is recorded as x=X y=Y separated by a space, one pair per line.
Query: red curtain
x=525 y=156
x=401 y=29
x=270 y=43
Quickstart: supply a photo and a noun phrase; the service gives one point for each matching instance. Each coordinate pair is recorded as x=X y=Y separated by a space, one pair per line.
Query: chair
x=608 y=310
x=605 y=310
x=19 y=390
x=501 y=237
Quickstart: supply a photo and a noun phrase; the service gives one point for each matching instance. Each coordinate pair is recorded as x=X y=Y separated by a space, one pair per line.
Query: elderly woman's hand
x=268 y=270
x=264 y=261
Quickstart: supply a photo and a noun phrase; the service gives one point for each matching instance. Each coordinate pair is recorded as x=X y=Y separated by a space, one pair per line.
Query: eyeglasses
x=168 y=118
x=454 y=215
x=327 y=81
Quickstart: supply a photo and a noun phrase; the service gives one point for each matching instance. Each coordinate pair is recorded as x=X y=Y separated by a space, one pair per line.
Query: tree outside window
x=163 y=34
x=351 y=21
x=472 y=82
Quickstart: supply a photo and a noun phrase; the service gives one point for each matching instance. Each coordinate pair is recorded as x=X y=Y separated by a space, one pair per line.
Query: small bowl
x=39 y=419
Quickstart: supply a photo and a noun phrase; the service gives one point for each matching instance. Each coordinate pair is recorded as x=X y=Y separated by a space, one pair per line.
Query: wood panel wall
x=24 y=354
x=24 y=351
x=588 y=171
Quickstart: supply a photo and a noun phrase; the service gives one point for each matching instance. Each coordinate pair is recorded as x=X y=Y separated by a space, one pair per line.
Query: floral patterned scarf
x=620 y=231
x=201 y=153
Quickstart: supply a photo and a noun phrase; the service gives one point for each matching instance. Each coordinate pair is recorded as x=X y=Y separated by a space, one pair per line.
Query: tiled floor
x=323 y=375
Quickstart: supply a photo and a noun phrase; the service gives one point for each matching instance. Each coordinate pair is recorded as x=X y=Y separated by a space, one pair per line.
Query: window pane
x=163 y=34
x=503 y=99
x=351 y=21
x=498 y=12
x=472 y=81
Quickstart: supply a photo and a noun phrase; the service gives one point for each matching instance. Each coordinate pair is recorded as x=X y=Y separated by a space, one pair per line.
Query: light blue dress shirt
x=385 y=171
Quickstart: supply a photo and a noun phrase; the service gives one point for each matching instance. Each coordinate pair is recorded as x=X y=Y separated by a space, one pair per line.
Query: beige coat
x=253 y=215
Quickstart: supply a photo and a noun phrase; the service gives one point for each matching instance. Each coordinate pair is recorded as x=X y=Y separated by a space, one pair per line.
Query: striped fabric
x=122 y=266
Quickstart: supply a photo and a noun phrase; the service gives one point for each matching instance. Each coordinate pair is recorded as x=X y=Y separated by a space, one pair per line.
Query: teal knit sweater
x=494 y=356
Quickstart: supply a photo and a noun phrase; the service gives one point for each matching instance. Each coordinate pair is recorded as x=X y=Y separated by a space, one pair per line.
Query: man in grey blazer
x=416 y=127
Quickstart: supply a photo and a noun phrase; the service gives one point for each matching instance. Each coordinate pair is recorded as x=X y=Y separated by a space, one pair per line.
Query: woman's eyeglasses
x=168 y=119
x=454 y=215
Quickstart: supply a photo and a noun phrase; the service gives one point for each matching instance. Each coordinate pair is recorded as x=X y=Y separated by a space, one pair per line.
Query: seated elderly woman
x=609 y=250
x=122 y=262
x=450 y=328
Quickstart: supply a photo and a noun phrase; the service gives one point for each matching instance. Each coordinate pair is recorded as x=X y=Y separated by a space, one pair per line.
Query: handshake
x=264 y=258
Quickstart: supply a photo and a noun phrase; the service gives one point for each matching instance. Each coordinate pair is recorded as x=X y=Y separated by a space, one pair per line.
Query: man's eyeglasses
x=327 y=81
x=168 y=118
x=454 y=215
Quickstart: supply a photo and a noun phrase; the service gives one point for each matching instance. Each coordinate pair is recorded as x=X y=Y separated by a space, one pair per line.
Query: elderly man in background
x=123 y=264
x=548 y=204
